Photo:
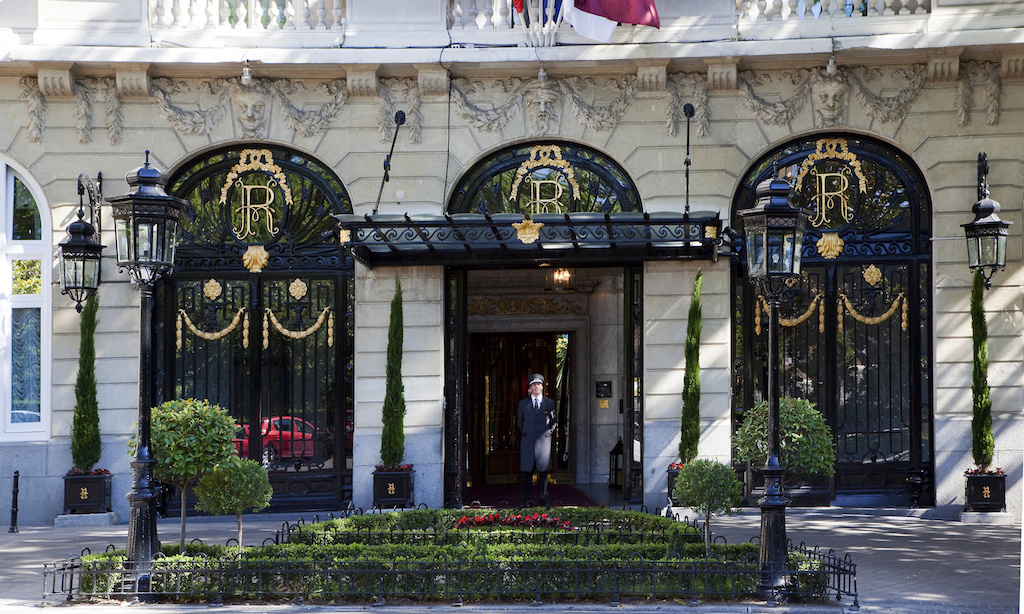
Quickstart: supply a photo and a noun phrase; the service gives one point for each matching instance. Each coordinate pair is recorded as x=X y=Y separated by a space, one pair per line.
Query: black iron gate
x=856 y=326
x=258 y=316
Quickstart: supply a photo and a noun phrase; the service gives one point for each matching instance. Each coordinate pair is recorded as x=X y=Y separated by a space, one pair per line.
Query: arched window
x=545 y=177
x=25 y=268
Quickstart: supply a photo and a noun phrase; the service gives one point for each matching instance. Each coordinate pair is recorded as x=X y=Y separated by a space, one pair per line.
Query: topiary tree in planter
x=233 y=487
x=985 y=488
x=708 y=487
x=806 y=440
x=188 y=437
x=86 y=489
x=392 y=481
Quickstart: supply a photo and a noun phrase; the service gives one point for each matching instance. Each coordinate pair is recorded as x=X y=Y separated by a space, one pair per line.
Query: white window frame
x=10 y=251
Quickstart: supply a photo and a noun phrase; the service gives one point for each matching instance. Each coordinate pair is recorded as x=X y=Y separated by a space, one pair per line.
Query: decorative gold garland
x=182 y=316
x=292 y=334
x=877 y=319
x=790 y=321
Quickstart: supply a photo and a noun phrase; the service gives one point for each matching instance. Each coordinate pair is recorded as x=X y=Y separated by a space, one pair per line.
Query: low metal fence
x=813 y=576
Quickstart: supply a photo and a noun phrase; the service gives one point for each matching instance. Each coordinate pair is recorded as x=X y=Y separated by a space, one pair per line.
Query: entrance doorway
x=498 y=374
x=856 y=326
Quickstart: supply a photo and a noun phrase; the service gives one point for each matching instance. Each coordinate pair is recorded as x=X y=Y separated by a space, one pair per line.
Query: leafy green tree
x=392 y=439
x=86 y=446
x=188 y=438
x=805 y=439
x=233 y=487
x=982 y=442
x=708 y=487
x=690 y=428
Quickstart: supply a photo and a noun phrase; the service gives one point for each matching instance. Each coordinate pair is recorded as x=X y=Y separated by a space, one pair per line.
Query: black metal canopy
x=509 y=239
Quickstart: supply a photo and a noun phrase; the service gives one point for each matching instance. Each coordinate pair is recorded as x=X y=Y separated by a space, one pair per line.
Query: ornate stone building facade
x=270 y=117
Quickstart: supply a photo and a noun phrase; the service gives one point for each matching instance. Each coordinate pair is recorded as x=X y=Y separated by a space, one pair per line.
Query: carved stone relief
x=542 y=100
x=686 y=87
x=83 y=93
x=391 y=93
x=979 y=75
x=252 y=104
x=829 y=92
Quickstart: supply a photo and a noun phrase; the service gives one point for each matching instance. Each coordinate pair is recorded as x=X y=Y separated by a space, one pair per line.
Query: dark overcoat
x=536 y=428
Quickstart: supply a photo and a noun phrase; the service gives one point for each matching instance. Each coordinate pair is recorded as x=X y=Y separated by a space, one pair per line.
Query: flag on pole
x=587 y=25
x=639 y=12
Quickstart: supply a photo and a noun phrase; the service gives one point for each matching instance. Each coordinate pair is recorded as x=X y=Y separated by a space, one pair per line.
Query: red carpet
x=509 y=496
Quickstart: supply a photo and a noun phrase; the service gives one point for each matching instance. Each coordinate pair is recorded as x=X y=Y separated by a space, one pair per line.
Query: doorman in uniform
x=536 y=420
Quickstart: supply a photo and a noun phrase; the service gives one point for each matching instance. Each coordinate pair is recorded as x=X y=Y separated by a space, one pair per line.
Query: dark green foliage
x=982 y=442
x=495 y=565
x=234 y=487
x=806 y=440
x=690 y=430
x=392 y=438
x=188 y=438
x=85 y=429
x=708 y=487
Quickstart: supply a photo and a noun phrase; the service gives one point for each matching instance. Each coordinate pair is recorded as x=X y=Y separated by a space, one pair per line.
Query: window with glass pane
x=27 y=224
x=26 y=380
x=27 y=276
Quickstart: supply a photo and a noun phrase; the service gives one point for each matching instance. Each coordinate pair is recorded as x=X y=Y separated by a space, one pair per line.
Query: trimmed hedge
x=416 y=554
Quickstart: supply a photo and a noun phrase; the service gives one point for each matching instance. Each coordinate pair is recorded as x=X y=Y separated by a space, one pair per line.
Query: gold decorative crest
x=832 y=186
x=545 y=156
x=255 y=258
x=872 y=275
x=297 y=289
x=344 y=236
x=830 y=245
x=528 y=231
x=212 y=289
x=250 y=211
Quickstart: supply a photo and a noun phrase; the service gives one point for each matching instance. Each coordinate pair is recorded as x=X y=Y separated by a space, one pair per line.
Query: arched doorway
x=516 y=323
x=258 y=314
x=856 y=328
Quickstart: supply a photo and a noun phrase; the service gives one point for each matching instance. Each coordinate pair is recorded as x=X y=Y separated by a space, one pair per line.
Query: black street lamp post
x=773 y=231
x=146 y=228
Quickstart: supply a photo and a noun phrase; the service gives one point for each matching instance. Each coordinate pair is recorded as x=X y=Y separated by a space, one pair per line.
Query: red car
x=283 y=437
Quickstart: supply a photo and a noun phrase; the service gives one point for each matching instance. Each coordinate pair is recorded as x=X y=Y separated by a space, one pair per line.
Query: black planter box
x=86 y=494
x=393 y=488
x=672 y=475
x=986 y=492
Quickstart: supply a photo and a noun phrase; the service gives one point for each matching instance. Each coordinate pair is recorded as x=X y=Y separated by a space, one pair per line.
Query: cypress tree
x=392 y=439
x=982 y=442
x=85 y=427
x=690 y=428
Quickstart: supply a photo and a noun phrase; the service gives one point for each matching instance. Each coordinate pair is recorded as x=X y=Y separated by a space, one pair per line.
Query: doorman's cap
x=536 y=378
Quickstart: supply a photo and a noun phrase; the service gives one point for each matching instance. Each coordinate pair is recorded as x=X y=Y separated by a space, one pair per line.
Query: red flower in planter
x=406 y=467
x=77 y=472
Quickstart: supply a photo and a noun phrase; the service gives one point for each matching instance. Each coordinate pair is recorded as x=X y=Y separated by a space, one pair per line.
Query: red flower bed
x=495 y=519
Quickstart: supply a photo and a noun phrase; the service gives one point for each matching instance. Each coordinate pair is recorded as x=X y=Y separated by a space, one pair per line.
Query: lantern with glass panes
x=615 y=465
x=986 y=234
x=146 y=229
x=80 y=252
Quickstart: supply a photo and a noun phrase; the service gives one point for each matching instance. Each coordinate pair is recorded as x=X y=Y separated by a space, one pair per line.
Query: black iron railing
x=814 y=576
